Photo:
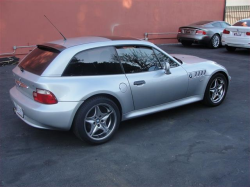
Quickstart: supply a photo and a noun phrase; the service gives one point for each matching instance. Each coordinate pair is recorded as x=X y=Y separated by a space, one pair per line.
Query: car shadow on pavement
x=159 y=118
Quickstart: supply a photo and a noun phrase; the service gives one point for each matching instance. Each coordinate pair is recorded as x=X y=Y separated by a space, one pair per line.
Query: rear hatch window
x=38 y=60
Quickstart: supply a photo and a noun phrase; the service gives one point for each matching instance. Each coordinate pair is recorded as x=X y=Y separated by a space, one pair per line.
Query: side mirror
x=166 y=68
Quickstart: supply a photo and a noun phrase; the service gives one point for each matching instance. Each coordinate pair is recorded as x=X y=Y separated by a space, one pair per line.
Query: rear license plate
x=187 y=32
x=237 y=34
x=19 y=110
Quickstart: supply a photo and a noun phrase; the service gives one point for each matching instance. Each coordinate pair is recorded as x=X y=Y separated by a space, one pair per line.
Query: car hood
x=188 y=59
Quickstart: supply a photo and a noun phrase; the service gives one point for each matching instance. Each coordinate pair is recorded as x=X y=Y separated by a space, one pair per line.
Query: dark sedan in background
x=203 y=32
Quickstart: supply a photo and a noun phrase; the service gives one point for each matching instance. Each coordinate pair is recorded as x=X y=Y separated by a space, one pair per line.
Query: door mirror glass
x=166 y=67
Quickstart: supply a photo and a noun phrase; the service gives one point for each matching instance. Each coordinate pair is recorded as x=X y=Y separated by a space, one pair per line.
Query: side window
x=164 y=58
x=98 y=61
x=216 y=24
x=224 y=24
x=137 y=59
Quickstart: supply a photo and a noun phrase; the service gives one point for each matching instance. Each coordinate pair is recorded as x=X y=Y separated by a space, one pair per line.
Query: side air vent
x=197 y=74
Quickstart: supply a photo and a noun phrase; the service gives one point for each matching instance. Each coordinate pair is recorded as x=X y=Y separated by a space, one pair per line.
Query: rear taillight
x=179 y=31
x=201 y=32
x=225 y=31
x=44 y=96
x=248 y=33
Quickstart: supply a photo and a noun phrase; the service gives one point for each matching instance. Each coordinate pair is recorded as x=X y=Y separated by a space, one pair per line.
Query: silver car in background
x=203 y=32
x=90 y=84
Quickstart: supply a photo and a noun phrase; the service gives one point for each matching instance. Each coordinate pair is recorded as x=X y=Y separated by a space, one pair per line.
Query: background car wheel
x=215 y=41
x=216 y=90
x=230 y=49
x=97 y=120
x=186 y=43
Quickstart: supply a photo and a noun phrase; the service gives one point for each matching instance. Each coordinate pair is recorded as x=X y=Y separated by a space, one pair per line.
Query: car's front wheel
x=97 y=120
x=186 y=43
x=230 y=49
x=216 y=90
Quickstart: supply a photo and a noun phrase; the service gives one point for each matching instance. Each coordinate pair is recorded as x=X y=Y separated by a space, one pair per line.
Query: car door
x=149 y=84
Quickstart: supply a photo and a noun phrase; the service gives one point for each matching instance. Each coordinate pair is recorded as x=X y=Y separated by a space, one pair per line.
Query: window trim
x=122 y=45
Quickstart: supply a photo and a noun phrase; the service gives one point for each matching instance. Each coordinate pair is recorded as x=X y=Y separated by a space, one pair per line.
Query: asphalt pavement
x=189 y=146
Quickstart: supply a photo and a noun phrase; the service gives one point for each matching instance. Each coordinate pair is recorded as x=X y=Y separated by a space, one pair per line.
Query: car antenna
x=55 y=27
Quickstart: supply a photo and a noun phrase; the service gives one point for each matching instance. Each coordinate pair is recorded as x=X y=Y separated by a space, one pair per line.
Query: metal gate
x=236 y=13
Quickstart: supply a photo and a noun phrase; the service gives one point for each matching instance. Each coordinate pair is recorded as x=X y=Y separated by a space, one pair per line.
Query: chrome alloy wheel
x=217 y=90
x=100 y=121
x=216 y=41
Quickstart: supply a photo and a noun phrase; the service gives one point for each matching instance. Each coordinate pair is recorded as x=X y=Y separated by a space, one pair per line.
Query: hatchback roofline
x=70 y=42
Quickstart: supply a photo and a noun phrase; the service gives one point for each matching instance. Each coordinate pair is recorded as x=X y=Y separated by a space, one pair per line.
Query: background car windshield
x=201 y=23
x=243 y=23
x=38 y=60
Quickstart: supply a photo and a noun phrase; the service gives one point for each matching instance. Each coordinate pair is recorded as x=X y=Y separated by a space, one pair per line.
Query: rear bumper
x=241 y=42
x=200 y=39
x=236 y=45
x=58 y=116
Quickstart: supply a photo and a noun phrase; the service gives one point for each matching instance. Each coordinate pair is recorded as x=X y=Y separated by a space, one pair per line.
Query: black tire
x=88 y=118
x=211 y=91
x=215 y=41
x=186 y=43
x=230 y=49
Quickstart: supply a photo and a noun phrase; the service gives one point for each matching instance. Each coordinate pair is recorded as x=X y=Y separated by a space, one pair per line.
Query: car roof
x=70 y=42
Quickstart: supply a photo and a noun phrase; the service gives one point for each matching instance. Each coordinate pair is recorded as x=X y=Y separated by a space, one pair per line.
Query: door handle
x=137 y=83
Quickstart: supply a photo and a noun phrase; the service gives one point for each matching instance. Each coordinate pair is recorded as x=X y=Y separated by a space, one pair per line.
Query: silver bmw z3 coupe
x=90 y=84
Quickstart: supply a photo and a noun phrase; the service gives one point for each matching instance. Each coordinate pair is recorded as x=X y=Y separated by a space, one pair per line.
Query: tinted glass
x=201 y=23
x=138 y=59
x=216 y=24
x=98 y=61
x=224 y=24
x=164 y=58
x=38 y=60
x=243 y=23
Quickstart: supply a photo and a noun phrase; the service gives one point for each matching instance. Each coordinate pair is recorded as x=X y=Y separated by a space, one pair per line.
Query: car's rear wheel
x=230 y=49
x=97 y=120
x=186 y=43
x=216 y=90
x=215 y=41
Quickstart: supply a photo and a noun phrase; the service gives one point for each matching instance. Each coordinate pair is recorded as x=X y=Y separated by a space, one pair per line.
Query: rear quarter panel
x=74 y=89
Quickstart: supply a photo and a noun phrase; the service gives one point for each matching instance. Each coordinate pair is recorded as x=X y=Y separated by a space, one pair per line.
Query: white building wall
x=237 y=2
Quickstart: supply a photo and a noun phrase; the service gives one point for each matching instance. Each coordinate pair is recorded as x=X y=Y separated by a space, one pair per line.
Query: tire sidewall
x=186 y=43
x=79 y=128
x=230 y=49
